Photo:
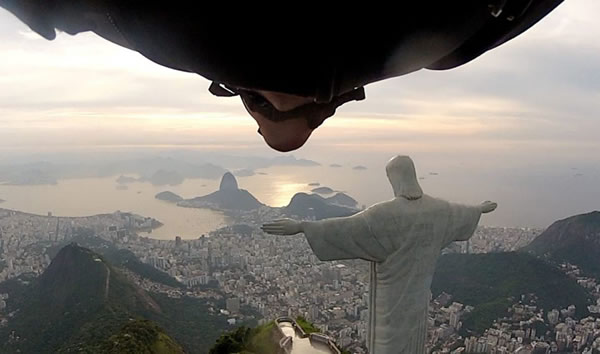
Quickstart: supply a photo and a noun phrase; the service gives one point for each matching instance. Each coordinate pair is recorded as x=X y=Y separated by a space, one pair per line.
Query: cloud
x=543 y=86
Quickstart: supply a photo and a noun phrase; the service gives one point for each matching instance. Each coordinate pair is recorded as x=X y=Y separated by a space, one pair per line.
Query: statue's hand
x=283 y=227
x=488 y=207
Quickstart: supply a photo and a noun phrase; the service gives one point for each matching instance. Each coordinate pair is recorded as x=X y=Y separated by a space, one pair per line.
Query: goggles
x=314 y=112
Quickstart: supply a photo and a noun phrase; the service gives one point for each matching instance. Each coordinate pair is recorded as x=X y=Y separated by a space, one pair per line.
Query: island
x=126 y=179
x=315 y=207
x=165 y=177
x=323 y=190
x=169 y=197
x=27 y=177
x=342 y=199
x=228 y=197
x=292 y=161
x=359 y=168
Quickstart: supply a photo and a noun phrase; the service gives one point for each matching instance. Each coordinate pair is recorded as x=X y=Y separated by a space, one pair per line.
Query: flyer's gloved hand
x=46 y=16
x=35 y=14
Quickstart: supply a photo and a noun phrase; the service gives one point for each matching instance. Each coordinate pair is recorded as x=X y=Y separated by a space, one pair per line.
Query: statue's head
x=403 y=177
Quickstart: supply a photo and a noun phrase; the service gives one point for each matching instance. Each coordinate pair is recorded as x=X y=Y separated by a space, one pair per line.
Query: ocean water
x=526 y=197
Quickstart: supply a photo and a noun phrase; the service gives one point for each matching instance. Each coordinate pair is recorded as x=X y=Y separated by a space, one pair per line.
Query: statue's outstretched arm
x=333 y=239
x=283 y=227
x=464 y=220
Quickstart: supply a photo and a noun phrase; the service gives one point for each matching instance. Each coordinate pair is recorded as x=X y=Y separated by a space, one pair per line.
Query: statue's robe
x=402 y=239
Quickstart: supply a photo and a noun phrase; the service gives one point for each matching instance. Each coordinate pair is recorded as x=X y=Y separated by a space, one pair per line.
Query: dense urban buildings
x=280 y=276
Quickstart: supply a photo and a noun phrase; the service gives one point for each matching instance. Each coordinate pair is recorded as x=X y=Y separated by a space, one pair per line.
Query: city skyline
x=285 y=279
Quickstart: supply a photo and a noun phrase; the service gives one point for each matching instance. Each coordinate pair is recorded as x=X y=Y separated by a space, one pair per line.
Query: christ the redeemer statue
x=402 y=238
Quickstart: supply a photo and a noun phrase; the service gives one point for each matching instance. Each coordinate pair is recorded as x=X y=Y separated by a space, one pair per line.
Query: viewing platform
x=295 y=341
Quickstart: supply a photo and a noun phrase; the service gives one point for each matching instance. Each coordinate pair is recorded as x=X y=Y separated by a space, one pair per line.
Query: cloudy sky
x=532 y=103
